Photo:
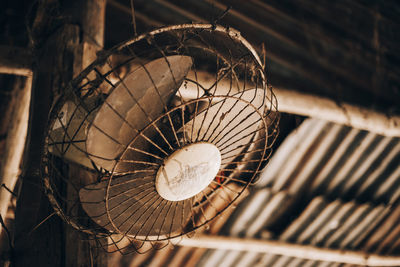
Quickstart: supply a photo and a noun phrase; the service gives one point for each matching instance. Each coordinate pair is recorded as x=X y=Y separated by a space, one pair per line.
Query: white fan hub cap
x=188 y=171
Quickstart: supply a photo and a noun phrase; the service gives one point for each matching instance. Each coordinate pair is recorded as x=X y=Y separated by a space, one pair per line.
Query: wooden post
x=67 y=34
x=17 y=124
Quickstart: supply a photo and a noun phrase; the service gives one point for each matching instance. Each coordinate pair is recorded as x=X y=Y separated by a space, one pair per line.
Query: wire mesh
x=137 y=104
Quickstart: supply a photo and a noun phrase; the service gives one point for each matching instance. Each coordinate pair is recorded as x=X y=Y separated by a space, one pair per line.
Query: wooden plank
x=17 y=128
x=60 y=53
x=44 y=246
x=15 y=60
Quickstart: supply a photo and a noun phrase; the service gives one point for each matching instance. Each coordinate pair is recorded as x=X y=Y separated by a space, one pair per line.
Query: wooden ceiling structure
x=328 y=187
x=345 y=50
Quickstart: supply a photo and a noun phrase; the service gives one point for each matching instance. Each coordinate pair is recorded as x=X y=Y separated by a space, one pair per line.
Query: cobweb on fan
x=137 y=105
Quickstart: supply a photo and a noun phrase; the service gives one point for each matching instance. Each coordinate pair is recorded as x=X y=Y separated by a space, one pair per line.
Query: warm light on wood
x=290 y=250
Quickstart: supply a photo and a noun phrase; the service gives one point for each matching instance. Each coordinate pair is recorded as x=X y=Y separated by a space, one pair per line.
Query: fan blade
x=133 y=104
x=134 y=207
x=191 y=89
x=68 y=135
x=228 y=123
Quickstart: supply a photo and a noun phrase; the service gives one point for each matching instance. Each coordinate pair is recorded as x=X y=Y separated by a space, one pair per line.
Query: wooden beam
x=289 y=250
x=343 y=113
x=62 y=47
x=15 y=60
x=324 y=108
x=15 y=141
x=44 y=244
x=127 y=10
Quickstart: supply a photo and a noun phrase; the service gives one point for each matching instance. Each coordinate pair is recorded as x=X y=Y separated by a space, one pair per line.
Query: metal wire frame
x=156 y=198
x=236 y=65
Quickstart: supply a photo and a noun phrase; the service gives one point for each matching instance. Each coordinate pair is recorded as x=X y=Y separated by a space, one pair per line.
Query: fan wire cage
x=131 y=139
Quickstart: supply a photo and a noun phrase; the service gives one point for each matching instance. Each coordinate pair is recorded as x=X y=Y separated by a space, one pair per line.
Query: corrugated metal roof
x=339 y=185
x=338 y=161
x=332 y=159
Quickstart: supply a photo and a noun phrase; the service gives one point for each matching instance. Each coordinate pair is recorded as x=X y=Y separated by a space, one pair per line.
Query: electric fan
x=137 y=149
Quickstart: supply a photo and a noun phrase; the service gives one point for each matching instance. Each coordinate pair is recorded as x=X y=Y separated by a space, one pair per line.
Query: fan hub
x=188 y=171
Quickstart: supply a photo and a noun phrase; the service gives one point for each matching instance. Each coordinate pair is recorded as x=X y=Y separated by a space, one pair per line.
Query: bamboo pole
x=290 y=250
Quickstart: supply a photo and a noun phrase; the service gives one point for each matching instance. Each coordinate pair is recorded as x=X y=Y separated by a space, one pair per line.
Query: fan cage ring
x=58 y=184
x=257 y=163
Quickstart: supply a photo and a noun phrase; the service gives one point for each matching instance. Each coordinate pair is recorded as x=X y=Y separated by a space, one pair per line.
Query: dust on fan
x=160 y=142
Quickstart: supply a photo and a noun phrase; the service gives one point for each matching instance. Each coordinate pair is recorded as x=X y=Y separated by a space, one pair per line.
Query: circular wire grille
x=137 y=104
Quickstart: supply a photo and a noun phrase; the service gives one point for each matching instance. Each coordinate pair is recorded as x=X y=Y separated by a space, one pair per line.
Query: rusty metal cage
x=134 y=106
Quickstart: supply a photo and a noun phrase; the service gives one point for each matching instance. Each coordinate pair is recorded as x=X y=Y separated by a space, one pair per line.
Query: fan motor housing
x=187 y=171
